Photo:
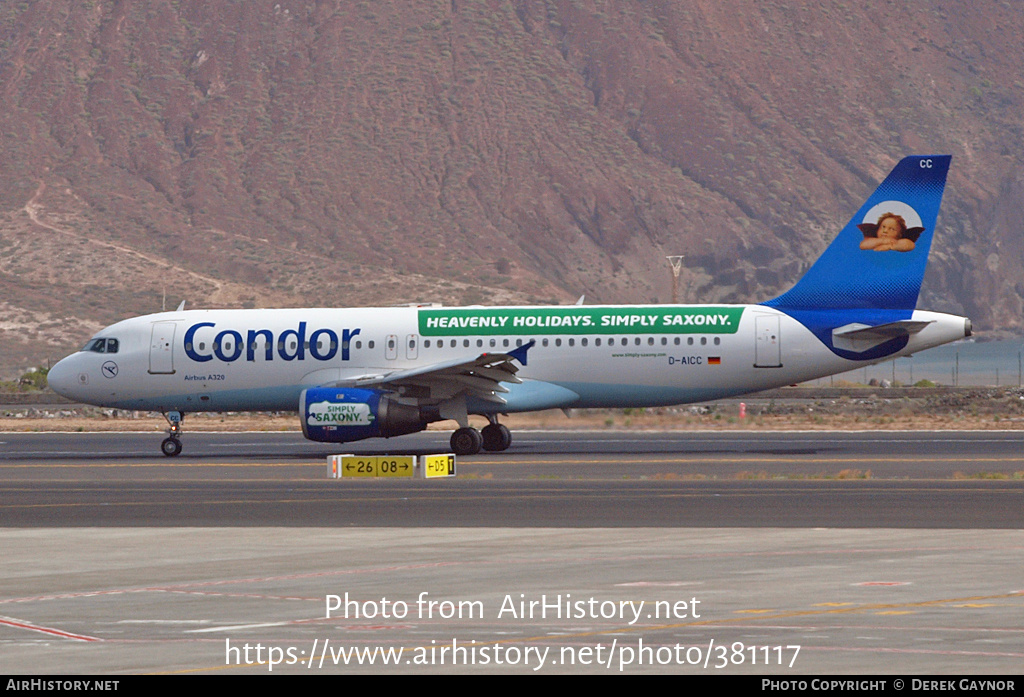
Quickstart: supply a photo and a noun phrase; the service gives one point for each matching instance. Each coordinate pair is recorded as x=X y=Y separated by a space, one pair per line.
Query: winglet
x=520 y=353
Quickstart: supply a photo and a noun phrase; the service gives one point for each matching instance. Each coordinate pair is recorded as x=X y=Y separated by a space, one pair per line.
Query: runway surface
x=559 y=479
x=749 y=553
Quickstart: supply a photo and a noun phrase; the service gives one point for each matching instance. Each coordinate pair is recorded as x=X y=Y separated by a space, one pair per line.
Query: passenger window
x=583 y=341
x=572 y=342
x=703 y=341
x=369 y=344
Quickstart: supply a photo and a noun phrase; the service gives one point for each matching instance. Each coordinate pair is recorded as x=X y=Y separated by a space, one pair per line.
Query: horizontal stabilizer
x=858 y=337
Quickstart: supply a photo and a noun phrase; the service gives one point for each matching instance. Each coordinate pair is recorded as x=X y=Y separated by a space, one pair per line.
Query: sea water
x=967 y=363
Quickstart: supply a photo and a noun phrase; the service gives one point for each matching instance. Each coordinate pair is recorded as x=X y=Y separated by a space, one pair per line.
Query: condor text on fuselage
x=291 y=344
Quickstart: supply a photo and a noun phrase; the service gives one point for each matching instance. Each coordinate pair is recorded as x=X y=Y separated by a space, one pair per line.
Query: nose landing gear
x=171 y=446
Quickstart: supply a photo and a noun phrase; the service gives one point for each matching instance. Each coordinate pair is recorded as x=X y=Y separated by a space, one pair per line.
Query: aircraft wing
x=479 y=377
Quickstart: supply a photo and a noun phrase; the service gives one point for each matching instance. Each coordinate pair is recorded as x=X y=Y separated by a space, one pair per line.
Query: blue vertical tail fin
x=871 y=273
x=864 y=267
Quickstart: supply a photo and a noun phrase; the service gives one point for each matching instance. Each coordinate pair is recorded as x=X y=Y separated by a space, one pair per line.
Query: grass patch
x=854 y=474
x=989 y=475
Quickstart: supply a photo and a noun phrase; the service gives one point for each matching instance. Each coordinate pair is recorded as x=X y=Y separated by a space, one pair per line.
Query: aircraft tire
x=171 y=447
x=496 y=437
x=466 y=441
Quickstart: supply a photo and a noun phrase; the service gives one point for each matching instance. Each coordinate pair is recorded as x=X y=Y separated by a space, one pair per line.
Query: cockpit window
x=101 y=346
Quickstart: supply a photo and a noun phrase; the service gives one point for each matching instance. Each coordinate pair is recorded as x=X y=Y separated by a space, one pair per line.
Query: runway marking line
x=711 y=457
x=550 y=494
x=10 y=622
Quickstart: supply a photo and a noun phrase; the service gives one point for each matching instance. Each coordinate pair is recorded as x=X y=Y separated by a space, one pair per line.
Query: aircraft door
x=411 y=347
x=391 y=347
x=161 y=353
x=768 y=346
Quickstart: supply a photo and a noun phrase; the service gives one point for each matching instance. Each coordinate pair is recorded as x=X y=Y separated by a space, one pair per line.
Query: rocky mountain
x=327 y=152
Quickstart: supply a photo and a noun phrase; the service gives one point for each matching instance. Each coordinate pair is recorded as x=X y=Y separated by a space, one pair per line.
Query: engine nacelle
x=338 y=415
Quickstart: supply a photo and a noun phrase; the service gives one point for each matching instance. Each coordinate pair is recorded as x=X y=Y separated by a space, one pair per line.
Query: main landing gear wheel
x=496 y=437
x=466 y=441
x=170 y=447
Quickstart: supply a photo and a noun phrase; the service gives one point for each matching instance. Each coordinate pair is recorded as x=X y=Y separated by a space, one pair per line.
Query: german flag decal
x=714 y=360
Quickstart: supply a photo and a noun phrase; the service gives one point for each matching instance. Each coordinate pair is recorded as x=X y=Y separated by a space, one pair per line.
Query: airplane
x=356 y=373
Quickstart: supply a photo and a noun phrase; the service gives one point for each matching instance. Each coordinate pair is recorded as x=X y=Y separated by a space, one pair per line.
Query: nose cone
x=63 y=378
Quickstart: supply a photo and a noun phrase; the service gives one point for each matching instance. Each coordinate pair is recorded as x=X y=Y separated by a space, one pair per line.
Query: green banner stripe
x=655 y=319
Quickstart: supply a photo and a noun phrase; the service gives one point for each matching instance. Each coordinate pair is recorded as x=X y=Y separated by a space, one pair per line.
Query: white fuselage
x=647 y=355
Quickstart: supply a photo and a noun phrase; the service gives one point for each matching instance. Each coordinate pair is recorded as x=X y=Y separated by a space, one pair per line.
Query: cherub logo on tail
x=891 y=226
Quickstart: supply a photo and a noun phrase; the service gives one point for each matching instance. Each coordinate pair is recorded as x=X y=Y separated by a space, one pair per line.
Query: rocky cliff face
x=321 y=152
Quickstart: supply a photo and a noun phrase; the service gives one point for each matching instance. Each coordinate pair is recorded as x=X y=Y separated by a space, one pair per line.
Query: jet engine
x=338 y=415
